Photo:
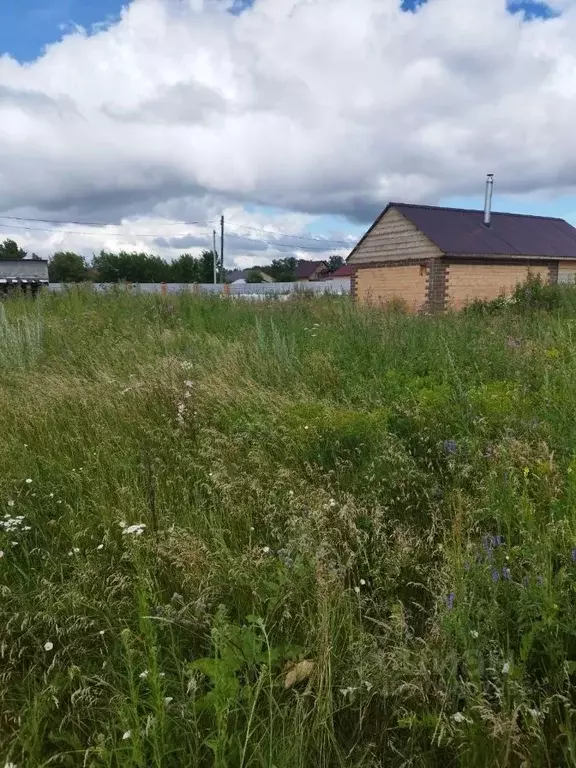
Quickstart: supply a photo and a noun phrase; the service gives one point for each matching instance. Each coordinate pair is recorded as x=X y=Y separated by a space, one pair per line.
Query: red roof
x=346 y=271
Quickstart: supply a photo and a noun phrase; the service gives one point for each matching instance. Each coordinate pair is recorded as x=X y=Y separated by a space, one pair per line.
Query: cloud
x=183 y=109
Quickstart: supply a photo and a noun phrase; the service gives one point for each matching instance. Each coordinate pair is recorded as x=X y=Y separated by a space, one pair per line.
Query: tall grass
x=285 y=534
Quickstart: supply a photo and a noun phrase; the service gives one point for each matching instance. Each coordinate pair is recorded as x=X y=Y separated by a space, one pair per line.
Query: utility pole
x=222 y=247
x=214 y=256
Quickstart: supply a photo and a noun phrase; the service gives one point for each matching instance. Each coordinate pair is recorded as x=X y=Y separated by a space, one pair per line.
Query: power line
x=112 y=234
x=293 y=247
x=295 y=237
x=100 y=223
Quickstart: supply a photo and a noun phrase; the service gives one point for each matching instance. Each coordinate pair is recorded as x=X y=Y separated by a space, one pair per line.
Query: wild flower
x=346 y=692
x=458 y=717
x=573 y=555
x=168 y=700
x=362 y=582
x=495 y=575
x=11 y=503
x=133 y=530
x=28 y=480
x=143 y=675
x=474 y=634
x=102 y=632
x=74 y=551
x=332 y=502
x=126 y=735
x=450 y=600
x=506 y=668
x=1 y=554
x=48 y=645
x=357 y=590
x=450 y=446
x=188 y=384
x=51 y=495
x=11 y=524
x=100 y=547
x=10 y=765
x=506 y=574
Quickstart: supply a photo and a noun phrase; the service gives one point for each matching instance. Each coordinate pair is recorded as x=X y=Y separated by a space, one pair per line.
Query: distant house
x=348 y=270
x=244 y=275
x=437 y=258
x=28 y=274
x=311 y=270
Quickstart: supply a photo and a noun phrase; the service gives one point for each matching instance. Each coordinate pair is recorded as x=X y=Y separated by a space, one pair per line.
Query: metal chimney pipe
x=488 y=199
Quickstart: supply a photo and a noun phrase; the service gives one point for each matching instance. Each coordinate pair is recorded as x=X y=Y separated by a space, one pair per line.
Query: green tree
x=206 y=267
x=10 y=249
x=186 y=269
x=67 y=267
x=283 y=270
x=335 y=262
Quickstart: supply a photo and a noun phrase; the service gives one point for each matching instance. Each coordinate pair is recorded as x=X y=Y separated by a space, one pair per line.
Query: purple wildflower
x=450 y=446
x=498 y=541
x=495 y=575
x=506 y=573
x=540 y=580
x=573 y=555
x=450 y=601
x=526 y=581
x=466 y=566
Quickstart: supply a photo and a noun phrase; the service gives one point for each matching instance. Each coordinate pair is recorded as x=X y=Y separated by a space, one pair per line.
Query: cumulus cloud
x=181 y=109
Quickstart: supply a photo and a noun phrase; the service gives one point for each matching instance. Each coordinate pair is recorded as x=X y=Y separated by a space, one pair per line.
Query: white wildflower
x=51 y=495
x=48 y=645
x=458 y=717
x=536 y=714
x=266 y=550
x=252 y=528
x=162 y=674
x=357 y=590
x=332 y=502
x=1 y=554
x=134 y=530
x=10 y=765
x=126 y=735
x=347 y=691
x=101 y=632
x=168 y=700
x=506 y=668
x=368 y=685
x=474 y=634
x=143 y=675
x=362 y=582
x=11 y=503
x=100 y=547
x=188 y=383
x=306 y=426
x=28 y=480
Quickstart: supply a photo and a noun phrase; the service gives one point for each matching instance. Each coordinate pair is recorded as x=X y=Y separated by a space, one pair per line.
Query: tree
x=186 y=269
x=206 y=271
x=9 y=249
x=283 y=270
x=335 y=262
x=67 y=267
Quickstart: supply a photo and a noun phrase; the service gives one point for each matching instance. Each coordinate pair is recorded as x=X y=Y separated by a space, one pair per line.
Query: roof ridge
x=473 y=210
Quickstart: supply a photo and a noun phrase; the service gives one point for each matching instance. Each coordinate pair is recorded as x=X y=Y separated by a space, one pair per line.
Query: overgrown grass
x=390 y=498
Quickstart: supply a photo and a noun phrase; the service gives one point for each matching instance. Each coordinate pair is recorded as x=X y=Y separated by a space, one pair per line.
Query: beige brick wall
x=486 y=281
x=379 y=285
x=567 y=272
x=394 y=238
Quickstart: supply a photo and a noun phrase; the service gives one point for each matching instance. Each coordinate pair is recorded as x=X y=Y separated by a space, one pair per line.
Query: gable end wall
x=394 y=238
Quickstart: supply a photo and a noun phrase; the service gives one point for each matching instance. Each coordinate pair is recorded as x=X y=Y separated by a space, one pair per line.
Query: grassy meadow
x=292 y=534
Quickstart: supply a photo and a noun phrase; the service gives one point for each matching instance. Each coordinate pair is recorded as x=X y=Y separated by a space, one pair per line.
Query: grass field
x=296 y=534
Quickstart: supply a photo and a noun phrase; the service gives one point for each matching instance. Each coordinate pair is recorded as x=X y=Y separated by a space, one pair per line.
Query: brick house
x=440 y=258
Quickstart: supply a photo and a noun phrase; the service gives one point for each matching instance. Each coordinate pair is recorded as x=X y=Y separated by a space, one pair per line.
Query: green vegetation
x=288 y=534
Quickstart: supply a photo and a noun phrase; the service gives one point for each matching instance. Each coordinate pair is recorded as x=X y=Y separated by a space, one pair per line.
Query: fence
x=246 y=290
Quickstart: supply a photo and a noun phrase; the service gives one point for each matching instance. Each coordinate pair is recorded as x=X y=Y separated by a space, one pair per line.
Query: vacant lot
x=293 y=534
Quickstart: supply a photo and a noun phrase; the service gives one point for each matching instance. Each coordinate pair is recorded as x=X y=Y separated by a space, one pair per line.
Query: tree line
x=133 y=267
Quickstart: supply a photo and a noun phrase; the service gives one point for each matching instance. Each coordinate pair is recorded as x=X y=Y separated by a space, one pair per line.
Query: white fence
x=247 y=290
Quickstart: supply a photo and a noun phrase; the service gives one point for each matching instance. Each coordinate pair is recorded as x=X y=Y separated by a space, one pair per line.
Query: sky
x=136 y=125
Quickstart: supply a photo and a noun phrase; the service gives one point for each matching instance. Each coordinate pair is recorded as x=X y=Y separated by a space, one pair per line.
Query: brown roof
x=306 y=268
x=461 y=231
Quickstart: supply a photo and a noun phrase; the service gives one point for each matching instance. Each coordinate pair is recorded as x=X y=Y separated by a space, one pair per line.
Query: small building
x=307 y=271
x=244 y=276
x=25 y=274
x=434 y=258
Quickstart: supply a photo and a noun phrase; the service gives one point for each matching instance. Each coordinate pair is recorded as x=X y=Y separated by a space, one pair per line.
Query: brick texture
x=567 y=272
x=486 y=281
x=383 y=284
